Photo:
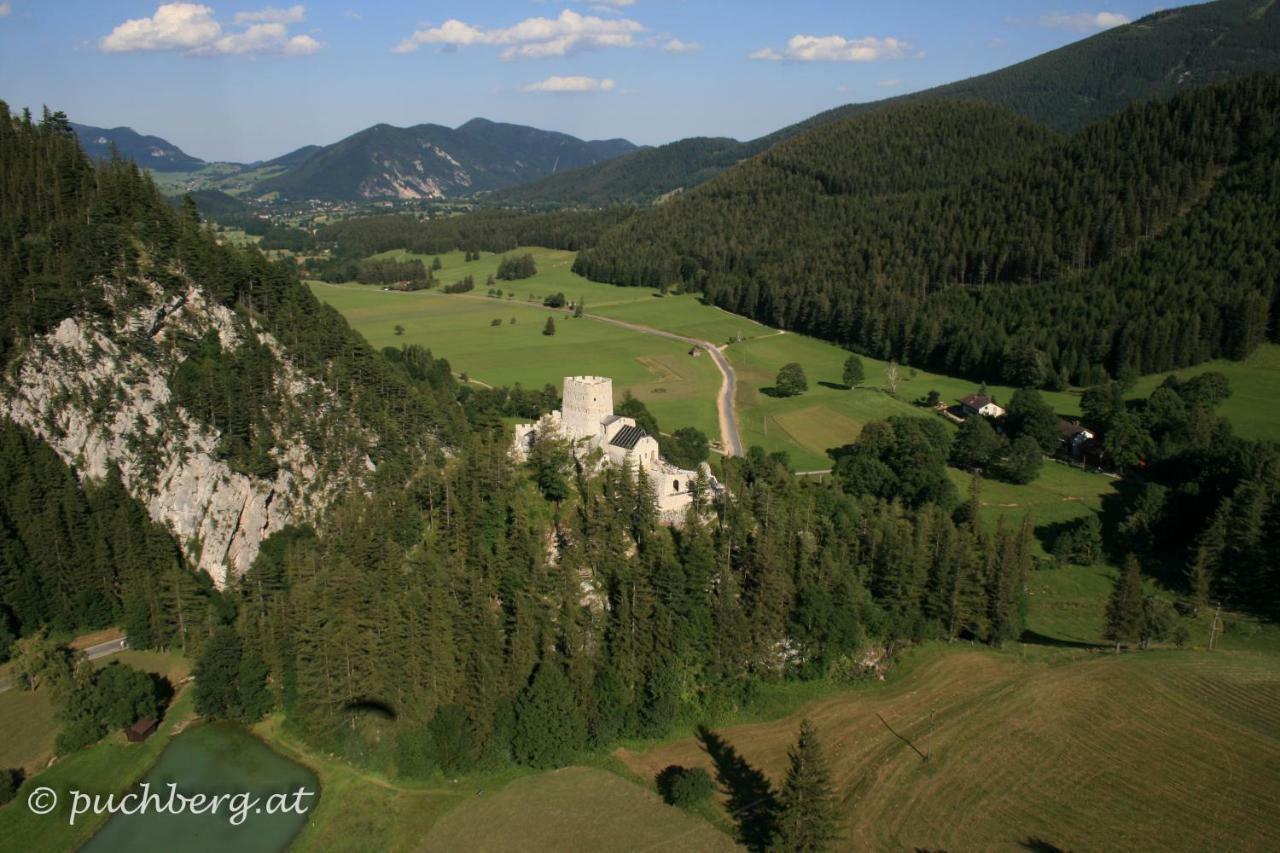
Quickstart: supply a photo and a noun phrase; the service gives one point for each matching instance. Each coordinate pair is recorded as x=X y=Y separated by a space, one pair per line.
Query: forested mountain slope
x=1153 y=58
x=638 y=177
x=431 y=161
x=983 y=246
x=224 y=397
x=149 y=152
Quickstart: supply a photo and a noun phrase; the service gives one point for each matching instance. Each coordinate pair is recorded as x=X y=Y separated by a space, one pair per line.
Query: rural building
x=587 y=420
x=980 y=404
x=1076 y=440
x=141 y=730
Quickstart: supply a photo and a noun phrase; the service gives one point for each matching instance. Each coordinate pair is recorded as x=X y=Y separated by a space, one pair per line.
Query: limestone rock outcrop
x=97 y=391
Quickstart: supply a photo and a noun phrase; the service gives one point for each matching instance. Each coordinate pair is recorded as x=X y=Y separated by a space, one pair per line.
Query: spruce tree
x=217 y=675
x=1124 y=608
x=548 y=726
x=807 y=819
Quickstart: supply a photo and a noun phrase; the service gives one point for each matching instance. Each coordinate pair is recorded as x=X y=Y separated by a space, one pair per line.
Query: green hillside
x=1155 y=57
x=958 y=237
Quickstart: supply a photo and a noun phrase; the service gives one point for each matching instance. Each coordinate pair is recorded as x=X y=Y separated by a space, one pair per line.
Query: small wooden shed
x=140 y=730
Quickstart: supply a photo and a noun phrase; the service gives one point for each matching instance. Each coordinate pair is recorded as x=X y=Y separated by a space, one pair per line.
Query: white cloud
x=677 y=46
x=192 y=29
x=802 y=48
x=261 y=38
x=890 y=83
x=5 y=10
x=355 y=16
x=292 y=15
x=174 y=26
x=1082 y=22
x=571 y=84
x=532 y=38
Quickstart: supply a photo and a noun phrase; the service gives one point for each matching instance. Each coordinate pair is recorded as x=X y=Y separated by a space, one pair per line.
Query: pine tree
x=1124 y=608
x=550 y=328
x=807 y=816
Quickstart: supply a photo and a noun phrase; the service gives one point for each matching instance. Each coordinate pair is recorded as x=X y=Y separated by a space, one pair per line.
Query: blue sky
x=244 y=81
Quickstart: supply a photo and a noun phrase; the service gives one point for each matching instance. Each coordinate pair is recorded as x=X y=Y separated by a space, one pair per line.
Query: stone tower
x=588 y=400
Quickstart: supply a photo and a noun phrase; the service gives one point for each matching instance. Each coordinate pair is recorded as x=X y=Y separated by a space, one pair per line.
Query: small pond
x=217 y=758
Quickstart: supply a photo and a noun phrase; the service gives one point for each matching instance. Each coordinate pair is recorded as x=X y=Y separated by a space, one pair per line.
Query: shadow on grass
x=902 y=738
x=1037 y=639
x=836 y=386
x=752 y=804
x=1039 y=845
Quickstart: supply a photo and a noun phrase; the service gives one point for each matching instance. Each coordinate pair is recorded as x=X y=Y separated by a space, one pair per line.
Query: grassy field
x=680 y=390
x=1154 y=751
x=27 y=729
x=359 y=810
x=1254 y=405
x=579 y=808
x=1061 y=494
x=828 y=414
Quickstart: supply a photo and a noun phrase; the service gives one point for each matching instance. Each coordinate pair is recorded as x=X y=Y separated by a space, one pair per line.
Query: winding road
x=730 y=438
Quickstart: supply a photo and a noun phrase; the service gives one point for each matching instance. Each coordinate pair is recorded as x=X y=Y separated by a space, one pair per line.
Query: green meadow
x=1254 y=405
x=829 y=414
x=681 y=390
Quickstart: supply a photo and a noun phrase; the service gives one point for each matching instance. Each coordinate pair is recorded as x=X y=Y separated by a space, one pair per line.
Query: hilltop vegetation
x=1143 y=243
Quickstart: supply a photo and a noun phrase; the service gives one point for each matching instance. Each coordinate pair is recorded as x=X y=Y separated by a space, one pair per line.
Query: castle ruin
x=586 y=419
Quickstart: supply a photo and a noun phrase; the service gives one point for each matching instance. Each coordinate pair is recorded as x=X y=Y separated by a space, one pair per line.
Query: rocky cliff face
x=98 y=392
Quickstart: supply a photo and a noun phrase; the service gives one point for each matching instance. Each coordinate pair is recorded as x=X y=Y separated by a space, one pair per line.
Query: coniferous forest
x=959 y=237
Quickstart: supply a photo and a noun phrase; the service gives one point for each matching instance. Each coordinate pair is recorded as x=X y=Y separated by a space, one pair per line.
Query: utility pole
x=929 y=752
x=1213 y=628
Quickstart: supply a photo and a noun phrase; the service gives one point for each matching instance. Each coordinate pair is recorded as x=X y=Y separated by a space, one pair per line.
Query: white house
x=981 y=404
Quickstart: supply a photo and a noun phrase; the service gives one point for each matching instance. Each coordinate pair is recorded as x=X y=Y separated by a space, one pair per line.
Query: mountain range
x=433 y=161
x=1066 y=89
x=383 y=161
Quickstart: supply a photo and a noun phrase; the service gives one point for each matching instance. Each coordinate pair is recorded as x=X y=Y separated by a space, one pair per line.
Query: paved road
x=101 y=650
x=110 y=647
x=730 y=438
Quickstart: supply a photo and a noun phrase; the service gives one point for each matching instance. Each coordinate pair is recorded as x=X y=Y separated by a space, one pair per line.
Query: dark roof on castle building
x=627 y=437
